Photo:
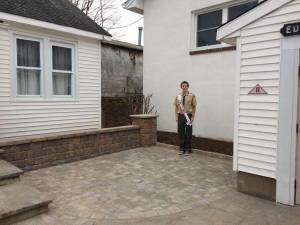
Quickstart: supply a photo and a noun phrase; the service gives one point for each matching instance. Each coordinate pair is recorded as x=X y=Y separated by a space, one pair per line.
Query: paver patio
x=151 y=186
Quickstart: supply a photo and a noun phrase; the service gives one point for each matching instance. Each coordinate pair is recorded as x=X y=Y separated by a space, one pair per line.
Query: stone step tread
x=1 y=151
x=7 y=170
x=19 y=198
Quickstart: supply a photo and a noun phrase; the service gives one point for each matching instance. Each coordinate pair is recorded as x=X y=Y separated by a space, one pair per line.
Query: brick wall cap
x=144 y=116
x=63 y=135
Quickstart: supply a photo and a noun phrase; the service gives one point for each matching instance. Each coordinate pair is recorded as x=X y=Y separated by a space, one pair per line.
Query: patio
x=151 y=186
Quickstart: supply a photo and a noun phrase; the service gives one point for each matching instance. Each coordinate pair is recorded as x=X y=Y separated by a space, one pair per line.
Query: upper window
x=236 y=11
x=207 y=26
x=28 y=67
x=62 y=71
x=208 y=23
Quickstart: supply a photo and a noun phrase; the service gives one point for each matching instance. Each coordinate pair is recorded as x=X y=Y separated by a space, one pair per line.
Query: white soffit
x=136 y=6
x=230 y=31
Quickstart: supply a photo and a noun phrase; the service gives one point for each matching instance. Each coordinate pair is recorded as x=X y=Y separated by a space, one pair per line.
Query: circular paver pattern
x=138 y=183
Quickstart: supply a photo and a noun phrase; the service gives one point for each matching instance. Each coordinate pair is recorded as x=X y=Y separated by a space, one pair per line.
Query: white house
x=259 y=86
x=50 y=75
x=266 y=125
x=180 y=44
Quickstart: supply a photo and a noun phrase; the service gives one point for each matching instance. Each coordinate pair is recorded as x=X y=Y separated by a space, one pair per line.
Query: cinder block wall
x=122 y=82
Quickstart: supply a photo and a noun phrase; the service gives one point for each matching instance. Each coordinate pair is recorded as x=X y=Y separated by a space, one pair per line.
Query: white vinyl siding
x=43 y=116
x=258 y=114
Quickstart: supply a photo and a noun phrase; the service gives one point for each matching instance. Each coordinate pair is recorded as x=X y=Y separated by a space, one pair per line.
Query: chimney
x=140 y=35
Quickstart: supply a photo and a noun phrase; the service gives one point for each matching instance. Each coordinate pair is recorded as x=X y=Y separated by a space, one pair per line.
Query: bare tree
x=104 y=12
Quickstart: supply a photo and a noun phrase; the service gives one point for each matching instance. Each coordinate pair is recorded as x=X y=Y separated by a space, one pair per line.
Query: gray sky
x=130 y=33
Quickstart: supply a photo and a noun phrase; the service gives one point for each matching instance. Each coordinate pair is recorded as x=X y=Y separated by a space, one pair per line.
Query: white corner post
x=288 y=102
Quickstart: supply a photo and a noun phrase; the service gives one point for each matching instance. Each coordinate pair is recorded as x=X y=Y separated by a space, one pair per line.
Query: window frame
x=225 y=14
x=72 y=72
x=207 y=29
x=16 y=67
x=46 y=94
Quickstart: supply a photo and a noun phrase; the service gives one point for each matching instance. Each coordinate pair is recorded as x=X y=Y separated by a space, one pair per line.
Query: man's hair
x=184 y=82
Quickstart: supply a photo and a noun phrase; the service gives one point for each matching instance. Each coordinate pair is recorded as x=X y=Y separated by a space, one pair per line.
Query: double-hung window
x=62 y=70
x=207 y=23
x=44 y=68
x=207 y=26
x=28 y=67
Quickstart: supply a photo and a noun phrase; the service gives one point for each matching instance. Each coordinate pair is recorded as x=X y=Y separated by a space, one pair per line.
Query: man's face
x=184 y=87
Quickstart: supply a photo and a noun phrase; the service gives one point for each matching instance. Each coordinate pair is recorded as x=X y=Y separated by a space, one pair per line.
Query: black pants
x=185 y=133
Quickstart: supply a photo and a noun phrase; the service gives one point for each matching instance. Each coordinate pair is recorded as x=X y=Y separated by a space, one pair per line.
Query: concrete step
x=19 y=202
x=8 y=173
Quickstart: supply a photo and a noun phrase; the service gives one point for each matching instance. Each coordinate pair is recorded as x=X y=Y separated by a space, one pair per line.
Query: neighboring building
x=50 y=68
x=122 y=82
x=266 y=140
x=177 y=48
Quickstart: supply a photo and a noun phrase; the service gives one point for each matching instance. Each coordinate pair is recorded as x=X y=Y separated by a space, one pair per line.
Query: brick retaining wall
x=47 y=150
x=148 y=125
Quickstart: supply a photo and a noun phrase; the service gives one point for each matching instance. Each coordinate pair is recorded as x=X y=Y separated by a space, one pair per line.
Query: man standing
x=185 y=109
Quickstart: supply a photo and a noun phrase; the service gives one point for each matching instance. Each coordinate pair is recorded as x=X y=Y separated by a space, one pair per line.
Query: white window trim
x=46 y=69
x=224 y=7
x=72 y=72
x=15 y=67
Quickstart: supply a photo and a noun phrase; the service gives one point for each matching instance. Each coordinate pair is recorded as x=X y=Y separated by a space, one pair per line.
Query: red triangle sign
x=258 y=90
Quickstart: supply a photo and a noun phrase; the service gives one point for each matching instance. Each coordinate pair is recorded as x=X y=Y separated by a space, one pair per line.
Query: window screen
x=62 y=70
x=28 y=67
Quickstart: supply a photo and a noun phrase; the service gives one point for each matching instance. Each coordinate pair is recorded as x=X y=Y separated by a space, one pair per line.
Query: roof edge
x=123 y=44
x=51 y=26
x=136 y=6
x=226 y=31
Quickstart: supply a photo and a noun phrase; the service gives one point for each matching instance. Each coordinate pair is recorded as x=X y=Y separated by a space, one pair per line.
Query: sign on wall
x=290 y=29
x=257 y=90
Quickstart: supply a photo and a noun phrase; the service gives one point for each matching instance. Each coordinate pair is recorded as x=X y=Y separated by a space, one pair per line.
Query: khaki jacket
x=190 y=104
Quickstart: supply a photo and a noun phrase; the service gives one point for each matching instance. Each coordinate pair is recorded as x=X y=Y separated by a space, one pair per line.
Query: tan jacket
x=190 y=104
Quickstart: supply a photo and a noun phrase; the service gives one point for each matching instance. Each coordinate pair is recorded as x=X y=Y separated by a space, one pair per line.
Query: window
x=28 y=67
x=236 y=11
x=43 y=76
x=208 y=23
x=62 y=71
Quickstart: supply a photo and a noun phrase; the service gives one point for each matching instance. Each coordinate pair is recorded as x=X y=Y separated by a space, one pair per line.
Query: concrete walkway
x=151 y=186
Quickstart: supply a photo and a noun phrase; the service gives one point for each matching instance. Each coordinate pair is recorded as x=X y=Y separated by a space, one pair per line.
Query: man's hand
x=176 y=118
x=192 y=120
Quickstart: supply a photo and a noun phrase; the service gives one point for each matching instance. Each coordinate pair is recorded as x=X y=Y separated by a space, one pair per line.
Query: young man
x=185 y=109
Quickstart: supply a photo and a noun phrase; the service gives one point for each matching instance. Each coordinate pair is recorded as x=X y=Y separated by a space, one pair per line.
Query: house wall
x=20 y=117
x=167 y=62
x=257 y=120
x=122 y=80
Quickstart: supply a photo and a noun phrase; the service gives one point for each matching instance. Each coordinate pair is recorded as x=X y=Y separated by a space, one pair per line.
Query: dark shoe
x=180 y=152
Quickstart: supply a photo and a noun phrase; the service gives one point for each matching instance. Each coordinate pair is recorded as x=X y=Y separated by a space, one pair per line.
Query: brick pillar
x=148 y=126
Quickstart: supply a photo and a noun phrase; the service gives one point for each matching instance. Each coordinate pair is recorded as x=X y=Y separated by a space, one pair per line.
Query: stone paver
x=151 y=186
